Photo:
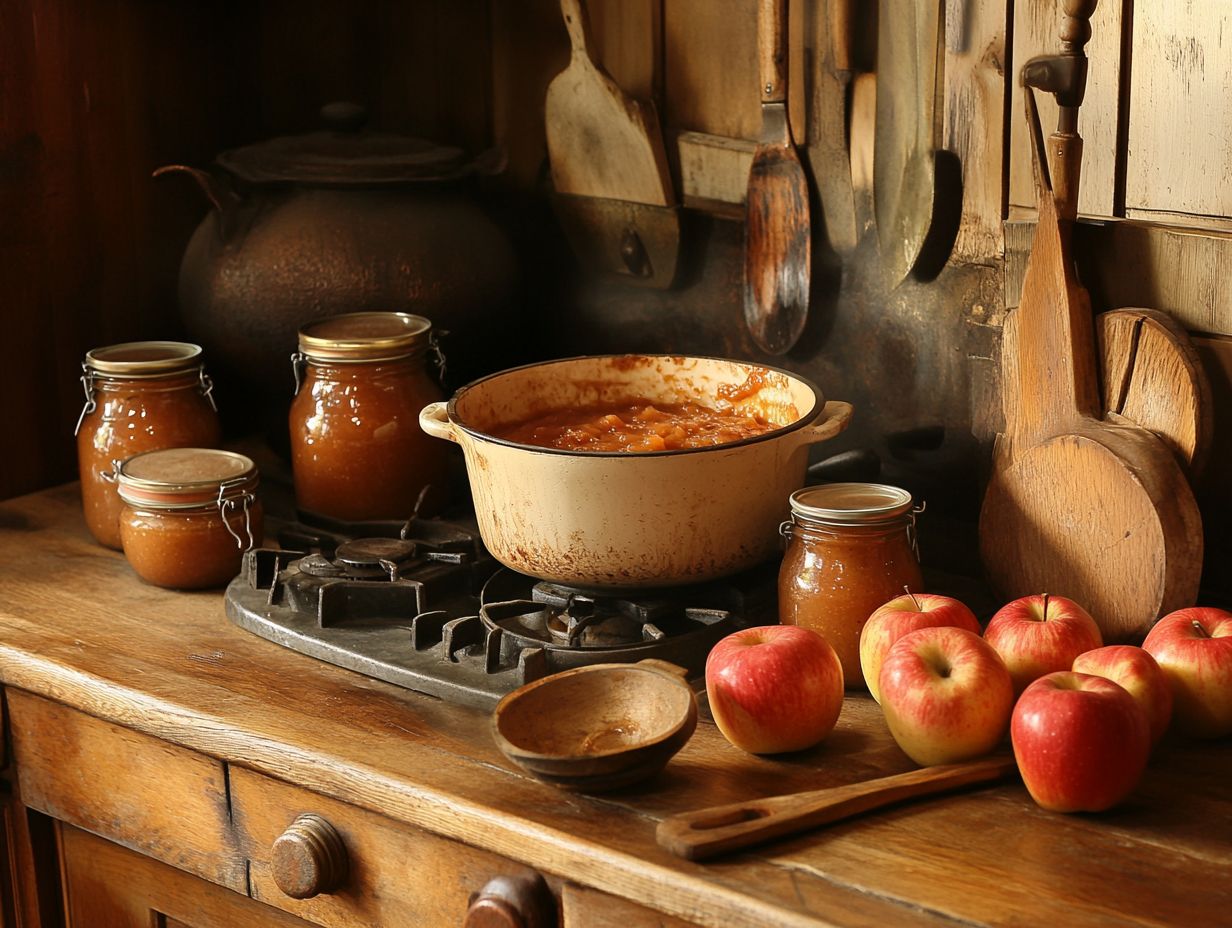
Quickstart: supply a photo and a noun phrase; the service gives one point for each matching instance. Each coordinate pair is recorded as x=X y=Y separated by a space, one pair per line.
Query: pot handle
x=835 y=417
x=434 y=419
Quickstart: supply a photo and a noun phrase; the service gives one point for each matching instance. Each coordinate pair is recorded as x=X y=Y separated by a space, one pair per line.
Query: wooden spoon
x=709 y=832
x=1090 y=508
x=777 y=232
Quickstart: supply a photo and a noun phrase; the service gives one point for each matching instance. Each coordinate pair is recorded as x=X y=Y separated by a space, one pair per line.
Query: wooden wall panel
x=1036 y=27
x=975 y=63
x=1180 y=120
x=711 y=68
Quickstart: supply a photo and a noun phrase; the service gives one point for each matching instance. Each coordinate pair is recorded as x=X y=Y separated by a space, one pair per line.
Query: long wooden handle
x=772 y=50
x=1065 y=145
x=709 y=832
x=574 y=14
x=842 y=35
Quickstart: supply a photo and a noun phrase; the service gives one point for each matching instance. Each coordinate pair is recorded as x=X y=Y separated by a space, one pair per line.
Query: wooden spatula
x=777 y=233
x=601 y=142
x=709 y=832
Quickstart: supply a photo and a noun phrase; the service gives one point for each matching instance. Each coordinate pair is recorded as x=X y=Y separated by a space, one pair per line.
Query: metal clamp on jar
x=189 y=515
x=851 y=548
x=140 y=396
x=357 y=451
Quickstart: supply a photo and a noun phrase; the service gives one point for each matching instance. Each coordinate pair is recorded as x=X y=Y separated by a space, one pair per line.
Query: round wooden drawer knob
x=308 y=858
x=512 y=902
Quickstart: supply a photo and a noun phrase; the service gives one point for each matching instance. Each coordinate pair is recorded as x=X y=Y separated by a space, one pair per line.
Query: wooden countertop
x=77 y=626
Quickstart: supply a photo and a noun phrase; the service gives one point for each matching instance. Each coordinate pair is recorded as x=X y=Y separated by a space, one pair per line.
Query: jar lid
x=851 y=503
x=364 y=337
x=143 y=359
x=342 y=154
x=180 y=478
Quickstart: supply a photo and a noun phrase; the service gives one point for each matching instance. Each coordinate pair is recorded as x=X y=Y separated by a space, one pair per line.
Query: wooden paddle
x=777 y=233
x=601 y=142
x=1077 y=505
x=717 y=830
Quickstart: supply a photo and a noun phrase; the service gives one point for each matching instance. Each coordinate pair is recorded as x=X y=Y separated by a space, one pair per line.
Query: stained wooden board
x=171 y=666
x=1179 y=119
x=1152 y=376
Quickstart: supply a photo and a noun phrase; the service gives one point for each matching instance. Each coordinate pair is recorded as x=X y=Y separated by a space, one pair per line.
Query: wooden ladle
x=1096 y=510
x=709 y=832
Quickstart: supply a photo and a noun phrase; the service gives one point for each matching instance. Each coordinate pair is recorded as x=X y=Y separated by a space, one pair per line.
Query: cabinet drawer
x=393 y=874
x=588 y=908
x=166 y=802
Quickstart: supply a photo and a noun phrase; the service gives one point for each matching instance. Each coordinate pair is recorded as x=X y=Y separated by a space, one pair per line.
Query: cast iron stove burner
x=424 y=606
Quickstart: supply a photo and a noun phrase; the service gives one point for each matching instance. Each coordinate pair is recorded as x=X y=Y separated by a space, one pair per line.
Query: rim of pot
x=807 y=419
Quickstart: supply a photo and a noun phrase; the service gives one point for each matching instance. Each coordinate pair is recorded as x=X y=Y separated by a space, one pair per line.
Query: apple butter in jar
x=189 y=515
x=140 y=396
x=851 y=548
x=357 y=451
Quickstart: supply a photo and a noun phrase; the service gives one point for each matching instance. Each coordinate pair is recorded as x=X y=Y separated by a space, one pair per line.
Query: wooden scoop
x=1093 y=509
x=777 y=233
x=601 y=141
x=709 y=832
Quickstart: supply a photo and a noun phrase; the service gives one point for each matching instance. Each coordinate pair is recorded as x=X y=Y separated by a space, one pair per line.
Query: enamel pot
x=634 y=520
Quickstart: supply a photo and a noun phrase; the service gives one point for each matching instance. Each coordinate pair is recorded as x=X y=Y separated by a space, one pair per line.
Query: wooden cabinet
x=109 y=886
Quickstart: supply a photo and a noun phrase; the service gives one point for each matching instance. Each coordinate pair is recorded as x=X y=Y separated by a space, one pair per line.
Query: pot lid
x=851 y=503
x=343 y=154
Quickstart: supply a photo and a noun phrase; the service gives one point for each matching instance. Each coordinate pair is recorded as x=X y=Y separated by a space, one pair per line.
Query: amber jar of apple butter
x=140 y=396
x=189 y=515
x=851 y=548
x=357 y=451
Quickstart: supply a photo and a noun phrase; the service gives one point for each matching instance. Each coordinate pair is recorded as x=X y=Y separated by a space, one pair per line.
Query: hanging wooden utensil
x=1077 y=505
x=777 y=234
x=710 y=832
x=1152 y=376
x=830 y=26
x=613 y=188
x=908 y=132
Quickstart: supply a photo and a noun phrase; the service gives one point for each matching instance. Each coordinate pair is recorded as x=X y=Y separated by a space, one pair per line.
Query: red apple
x=774 y=688
x=1081 y=742
x=1037 y=635
x=905 y=614
x=946 y=694
x=1141 y=676
x=1194 y=649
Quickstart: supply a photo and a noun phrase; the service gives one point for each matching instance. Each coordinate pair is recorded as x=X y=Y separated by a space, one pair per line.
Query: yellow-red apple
x=1194 y=649
x=901 y=615
x=1081 y=742
x=774 y=688
x=1137 y=671
x=946 y=694
x=1037 y=635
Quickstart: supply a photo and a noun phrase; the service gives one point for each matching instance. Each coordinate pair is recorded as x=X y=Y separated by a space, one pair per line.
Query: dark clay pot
x=342 y=221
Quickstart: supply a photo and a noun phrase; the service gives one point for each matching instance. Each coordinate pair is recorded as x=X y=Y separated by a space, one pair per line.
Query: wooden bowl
x=600 y=727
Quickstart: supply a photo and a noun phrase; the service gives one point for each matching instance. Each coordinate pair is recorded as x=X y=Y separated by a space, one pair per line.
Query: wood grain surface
x=1151 y=375
x=78 y=627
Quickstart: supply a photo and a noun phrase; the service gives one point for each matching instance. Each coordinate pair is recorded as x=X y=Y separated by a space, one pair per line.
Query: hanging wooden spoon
x=1093 y=509
x=709 y=832
x=777 y=232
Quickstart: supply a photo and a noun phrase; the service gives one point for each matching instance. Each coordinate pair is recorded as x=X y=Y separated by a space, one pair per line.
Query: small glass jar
x=357 y=451
x=140 y=396
x=851 y=548
x=189 y=515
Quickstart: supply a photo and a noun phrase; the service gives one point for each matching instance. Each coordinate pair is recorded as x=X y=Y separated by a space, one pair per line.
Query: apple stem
x=915 y=602
x=1045 y=607
x=1200 y=629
